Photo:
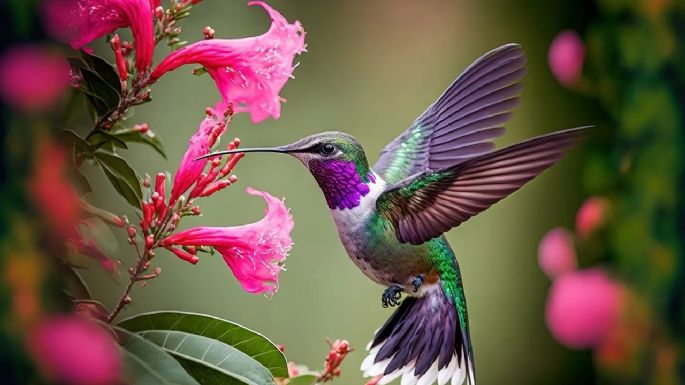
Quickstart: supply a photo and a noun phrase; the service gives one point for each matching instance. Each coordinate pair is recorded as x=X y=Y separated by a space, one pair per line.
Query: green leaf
x=74 y=285
x=303 y=379
x=99 y=138
x=247 y=341
x=81 y=181
x=210 y=361
x=122 y=176
x=77 y=142
x=147 y=363
x=104 y=69
x=149 y=138
x=100 y=82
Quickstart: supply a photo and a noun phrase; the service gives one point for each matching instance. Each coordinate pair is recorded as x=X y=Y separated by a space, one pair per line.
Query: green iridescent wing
x=424 y=206
x=464 y=120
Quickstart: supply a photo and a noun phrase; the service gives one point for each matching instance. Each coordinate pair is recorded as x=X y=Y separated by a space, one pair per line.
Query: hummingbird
x=391 y=218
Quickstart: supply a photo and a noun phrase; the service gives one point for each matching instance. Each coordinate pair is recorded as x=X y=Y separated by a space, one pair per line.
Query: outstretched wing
x=462 y=123
x=426 y=205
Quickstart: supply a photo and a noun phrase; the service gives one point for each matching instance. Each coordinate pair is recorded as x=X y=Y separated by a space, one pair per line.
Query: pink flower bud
x=208 y=32
x=149 y=241
x=159 y=13
x=131 y=232
x=582 y=308
x=566 y=55
x=142 y=128
x=196 y=210
x=159 y=185
x=556 y=254
x=184 y=255
x=214 y=187
x=591 y=215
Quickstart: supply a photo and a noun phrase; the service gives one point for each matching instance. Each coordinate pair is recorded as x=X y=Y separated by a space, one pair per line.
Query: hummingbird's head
x=328 y=148
x=335 y=159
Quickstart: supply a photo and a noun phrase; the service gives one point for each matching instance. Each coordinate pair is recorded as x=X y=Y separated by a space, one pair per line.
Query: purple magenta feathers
x=340 y=182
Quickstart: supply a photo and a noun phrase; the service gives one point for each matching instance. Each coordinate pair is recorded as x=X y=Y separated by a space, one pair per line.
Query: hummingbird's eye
x=327 y=148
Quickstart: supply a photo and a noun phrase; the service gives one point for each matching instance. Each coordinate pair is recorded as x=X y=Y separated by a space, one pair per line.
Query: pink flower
x=591 y=215
x=582 y=307
x=248 y=72
x=556 y=254
x=74 y=351
x=79 y=22
x=255 y=252
x=51 y=193
x=31 y=78
x=190 y=169
x=565 y=57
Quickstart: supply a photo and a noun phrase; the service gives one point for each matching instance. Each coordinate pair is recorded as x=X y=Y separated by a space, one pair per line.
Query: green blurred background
x=372 y=67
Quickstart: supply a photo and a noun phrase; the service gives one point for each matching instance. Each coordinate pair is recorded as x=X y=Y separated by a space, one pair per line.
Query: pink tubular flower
x=31 y=78
x=74 y=351
x=565 y=57
x=79 y=22
x=582 y=308
x=255 y=252
x=591 y=215
x=556 y=254
x=248 y=72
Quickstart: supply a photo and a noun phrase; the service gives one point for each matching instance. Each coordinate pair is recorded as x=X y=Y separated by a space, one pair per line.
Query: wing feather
x=464 y=120
x=426 y=205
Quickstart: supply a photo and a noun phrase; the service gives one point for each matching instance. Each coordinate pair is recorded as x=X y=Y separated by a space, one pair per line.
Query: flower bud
x=142 y=128
x=149 y=241
x=208 y=32
x=131 y=232
x=122 y=65
x=184 y=255
x=159 y=12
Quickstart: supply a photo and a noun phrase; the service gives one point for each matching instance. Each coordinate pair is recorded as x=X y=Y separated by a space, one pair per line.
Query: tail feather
x=422 y=342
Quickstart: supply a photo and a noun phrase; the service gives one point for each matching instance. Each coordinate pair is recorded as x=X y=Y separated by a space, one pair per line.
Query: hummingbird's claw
x=417 y=282
x=391 y=296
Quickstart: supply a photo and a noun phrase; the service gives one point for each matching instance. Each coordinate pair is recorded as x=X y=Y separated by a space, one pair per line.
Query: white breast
x=352 y=218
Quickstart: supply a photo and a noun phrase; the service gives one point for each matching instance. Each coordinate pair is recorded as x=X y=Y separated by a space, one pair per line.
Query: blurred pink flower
x=71 y=350
x=189 y=171
x=79 y=22
x=582 y=307
x=32 y=78
x=565 y=57
x=591 y=215
x=51 y=193
x=556 y=254
x=248 y=72
x=255 y=252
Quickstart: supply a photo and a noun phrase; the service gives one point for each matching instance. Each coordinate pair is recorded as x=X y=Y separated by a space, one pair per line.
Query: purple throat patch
x=341 y=184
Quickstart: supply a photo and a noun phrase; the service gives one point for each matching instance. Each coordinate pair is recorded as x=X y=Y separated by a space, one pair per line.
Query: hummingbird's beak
x=280 y=149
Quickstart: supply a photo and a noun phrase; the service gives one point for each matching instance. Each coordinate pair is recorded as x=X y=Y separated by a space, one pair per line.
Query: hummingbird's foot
x=417 y=282
x=391 y=296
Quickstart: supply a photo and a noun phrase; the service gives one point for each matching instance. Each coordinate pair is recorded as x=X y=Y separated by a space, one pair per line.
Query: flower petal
x=254 y=252
x=248 y=72
x=79 y=22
